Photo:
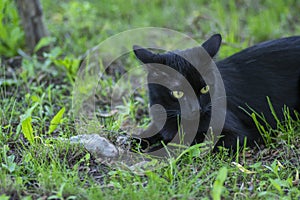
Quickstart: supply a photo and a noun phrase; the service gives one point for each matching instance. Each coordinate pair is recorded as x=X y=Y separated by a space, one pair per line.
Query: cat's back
x=263 y=68
x=284 y=51
x=268 y=69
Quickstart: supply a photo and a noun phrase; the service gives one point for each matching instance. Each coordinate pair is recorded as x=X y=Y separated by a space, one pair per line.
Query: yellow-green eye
x=177 y=94
x=205 y=89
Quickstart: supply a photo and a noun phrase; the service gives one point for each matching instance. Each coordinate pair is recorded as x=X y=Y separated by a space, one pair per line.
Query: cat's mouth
x=193 y=115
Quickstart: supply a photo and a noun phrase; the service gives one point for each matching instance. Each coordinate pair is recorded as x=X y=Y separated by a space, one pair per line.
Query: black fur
x=270 y=69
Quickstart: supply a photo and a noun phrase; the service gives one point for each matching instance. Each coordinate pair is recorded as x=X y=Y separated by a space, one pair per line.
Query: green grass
x=36 y=89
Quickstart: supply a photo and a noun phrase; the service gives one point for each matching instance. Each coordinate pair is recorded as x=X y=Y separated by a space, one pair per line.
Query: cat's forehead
x=176 y=72
x=166 y=74
x=179 y=63
x=176 y=83
x=175 y=80
x=189 y=61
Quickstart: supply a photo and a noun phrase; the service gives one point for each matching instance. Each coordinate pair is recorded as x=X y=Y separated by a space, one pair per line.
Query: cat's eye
x=205 y=89
x=177 y=94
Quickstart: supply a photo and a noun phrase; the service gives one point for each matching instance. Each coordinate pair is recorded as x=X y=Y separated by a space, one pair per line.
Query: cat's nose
x=195 y=109
x=190 y=110
x=195 y=112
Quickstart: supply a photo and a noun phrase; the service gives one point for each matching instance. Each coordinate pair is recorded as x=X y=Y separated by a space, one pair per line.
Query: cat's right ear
x=146 y=56
x=212 y=45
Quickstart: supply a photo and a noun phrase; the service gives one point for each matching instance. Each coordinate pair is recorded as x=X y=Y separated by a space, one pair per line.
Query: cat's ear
x=213 y=44
x=147 y=56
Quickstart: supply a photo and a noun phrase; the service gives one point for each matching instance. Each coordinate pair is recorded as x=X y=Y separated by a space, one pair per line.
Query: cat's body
x=269 y=69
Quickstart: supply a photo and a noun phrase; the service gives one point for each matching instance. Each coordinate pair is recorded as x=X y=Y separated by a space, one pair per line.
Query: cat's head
x=173 y=81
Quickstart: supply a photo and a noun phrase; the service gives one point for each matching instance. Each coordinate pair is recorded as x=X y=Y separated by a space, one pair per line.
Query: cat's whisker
x=220 y=98
x=168 y=114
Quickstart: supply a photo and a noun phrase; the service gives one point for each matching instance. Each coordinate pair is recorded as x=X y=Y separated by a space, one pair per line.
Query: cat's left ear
x=212 y=45
x=147 y=56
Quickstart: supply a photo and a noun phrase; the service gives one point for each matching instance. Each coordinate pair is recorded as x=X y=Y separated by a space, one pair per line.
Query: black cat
x=269 y=69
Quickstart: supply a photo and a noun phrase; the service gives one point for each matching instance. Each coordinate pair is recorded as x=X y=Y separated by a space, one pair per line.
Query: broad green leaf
x=56 y=120
x=35 y=98
x=10 y=165
x=218 y=184
x=4 y=197
x=45 y=41
x=277 y=184
x=28 y=112
x=25 y=117
x=28 y=130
